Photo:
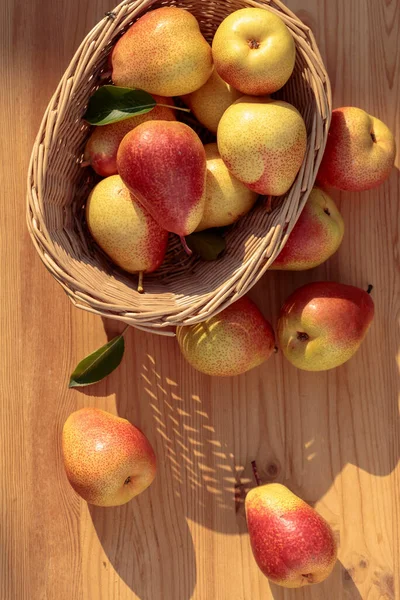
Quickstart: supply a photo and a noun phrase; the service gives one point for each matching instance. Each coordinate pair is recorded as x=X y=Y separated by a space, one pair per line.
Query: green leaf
x=209 y=244
x=111 y=104
x=99 y=364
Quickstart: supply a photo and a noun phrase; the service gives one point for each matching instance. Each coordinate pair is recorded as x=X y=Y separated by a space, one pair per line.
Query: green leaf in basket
x=111 y=104
x=99 y=364
x=209 y=244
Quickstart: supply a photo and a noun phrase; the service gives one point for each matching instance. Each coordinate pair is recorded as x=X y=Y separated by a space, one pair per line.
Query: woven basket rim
x=159 y=312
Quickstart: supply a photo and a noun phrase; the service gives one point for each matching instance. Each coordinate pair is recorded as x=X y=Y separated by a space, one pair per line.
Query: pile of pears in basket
x=159 y=178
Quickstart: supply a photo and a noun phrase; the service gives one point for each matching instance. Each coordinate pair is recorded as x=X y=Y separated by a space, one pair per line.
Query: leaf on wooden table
x=99 y=364
x=110 y=104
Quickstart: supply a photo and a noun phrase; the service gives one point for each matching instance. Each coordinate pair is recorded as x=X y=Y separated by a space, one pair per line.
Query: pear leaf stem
x=255 y=472
x=187 y=110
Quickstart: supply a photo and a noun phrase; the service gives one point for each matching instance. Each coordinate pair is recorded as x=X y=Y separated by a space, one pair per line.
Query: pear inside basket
x=185 y=289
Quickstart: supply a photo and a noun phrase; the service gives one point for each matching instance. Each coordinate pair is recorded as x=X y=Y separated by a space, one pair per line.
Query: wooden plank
x=333 y=437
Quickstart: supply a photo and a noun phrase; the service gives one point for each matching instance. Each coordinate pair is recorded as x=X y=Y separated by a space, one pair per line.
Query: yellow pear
x=227 y=199
x=163 y=53
x=209 y=103
x=254 y=51
x=263 y=143
x=123 y=229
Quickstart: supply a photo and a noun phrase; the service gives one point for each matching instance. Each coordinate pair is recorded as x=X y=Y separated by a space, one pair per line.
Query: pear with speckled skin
x=254 y=51
x=360 y=151
x=316 y=236
x=123 y=228
x=323 y=324
x=292 y=544
x=226 y=198
x=163 y=53
x=209 y=103
x=102 y=146
x=108 y=460
x=230 y=343
x=263 y=143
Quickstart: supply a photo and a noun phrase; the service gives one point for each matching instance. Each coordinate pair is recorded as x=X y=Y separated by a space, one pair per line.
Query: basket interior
x=184 y=289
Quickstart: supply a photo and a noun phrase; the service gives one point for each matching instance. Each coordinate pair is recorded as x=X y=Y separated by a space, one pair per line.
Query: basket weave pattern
x=185 y=290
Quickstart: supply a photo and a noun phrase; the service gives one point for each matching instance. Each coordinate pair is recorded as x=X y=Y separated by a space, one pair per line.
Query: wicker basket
x=185 y=290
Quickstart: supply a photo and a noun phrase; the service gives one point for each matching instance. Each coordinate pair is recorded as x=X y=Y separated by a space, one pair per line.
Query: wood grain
x=333 y=437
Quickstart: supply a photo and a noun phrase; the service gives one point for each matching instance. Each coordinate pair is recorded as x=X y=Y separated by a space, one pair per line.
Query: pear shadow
x=323 y=590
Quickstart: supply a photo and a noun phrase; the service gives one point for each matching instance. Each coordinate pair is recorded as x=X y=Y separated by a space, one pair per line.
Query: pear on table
x=292 y=544
x=163 y=53
x=232 y=342
x=164 y=166
x=102 y=146
x=316 y=236
x=108 y=460
x=360 y=151
x=322 y=324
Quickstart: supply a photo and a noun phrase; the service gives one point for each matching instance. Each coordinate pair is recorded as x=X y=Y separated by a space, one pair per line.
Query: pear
x=164 y=165
x=322 y=324
x=209 y=103
x=227 y=199
x=123 y=229
x=254 y=51
x=108 y=460
x=263 y=143
x=292 y=544
x=230 y=343
x=316 y=236
x=103 y=143
x=163 y=53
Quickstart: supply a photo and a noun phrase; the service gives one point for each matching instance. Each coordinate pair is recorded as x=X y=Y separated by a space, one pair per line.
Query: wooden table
x=332 y=437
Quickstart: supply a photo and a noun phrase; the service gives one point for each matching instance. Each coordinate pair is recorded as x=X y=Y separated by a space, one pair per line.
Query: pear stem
x=255 y=472
x=370 y=288
x=185 y=246
x=140 y=288
x=187 y=110
x=85 y=163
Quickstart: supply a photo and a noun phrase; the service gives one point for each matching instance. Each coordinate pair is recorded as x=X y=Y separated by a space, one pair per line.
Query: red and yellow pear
x=164 y=166
x=316 y=236
x=126 y=232
x=102 y=146
x=263 y=143
x=322 y=324
x=360 y=151
x=292 y=544
x=108 y=461
x=232 y=342
x=163 y=53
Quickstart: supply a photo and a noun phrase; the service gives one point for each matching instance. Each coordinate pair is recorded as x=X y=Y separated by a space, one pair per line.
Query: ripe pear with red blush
x=164 y=166
x=322 y=324
x=108 y=460
x=360 y=151
x=232 y=342
x=316 y=236
x=102 y=146
x=292 y=544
